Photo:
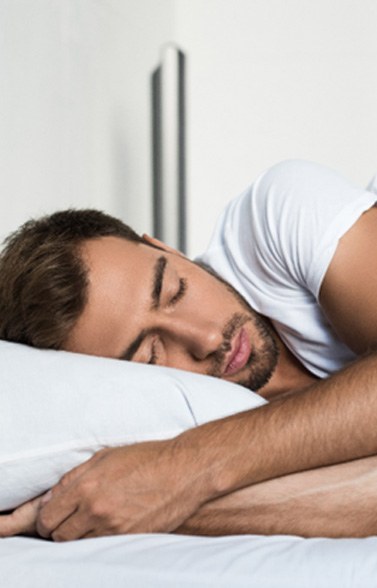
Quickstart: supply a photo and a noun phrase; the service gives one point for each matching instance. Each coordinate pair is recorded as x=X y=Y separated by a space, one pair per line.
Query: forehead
x=119 y=283
x=115 y=258
x=118 y=270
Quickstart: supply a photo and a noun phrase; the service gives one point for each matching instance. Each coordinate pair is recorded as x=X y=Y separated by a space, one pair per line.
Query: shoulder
x=304 y=182
x=290 y=220
x=286 y=211
x=260 y=229
x=292 y=191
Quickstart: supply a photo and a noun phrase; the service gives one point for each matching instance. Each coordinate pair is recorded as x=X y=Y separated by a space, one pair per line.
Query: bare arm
x=334 y=501
x=332 y=421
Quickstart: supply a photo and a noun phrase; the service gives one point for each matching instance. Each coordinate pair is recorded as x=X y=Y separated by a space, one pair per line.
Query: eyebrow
x=158 y=277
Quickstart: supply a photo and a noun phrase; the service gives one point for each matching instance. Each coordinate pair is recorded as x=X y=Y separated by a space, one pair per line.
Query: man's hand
x=121 y=490
x=21 y=521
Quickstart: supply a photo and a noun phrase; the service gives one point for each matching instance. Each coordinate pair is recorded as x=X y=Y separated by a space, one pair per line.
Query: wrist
x=206 y=468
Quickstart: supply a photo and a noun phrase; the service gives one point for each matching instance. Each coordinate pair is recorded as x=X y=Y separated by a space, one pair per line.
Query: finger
x=76 y=526
x=59 y=508
x=61 y=501
x=20 y=521
x=26 y=516
x=8 y=526
x=65 y=497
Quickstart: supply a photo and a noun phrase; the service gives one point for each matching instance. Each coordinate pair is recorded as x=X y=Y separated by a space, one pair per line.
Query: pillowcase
x=58 y=408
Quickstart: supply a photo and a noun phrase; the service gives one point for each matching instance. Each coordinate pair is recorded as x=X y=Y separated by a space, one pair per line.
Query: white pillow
x=58 y=408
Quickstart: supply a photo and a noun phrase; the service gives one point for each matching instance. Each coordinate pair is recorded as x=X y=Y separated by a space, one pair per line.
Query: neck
x=290 y=375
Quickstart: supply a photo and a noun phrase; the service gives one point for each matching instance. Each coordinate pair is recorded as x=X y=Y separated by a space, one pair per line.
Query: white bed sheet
x=172 y=561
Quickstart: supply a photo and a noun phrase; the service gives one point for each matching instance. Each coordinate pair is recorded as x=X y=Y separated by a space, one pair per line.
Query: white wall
x=74 y=105
x=267 y=80
x=275 y=79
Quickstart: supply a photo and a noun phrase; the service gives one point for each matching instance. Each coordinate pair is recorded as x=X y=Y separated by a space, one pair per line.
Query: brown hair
x=43 y=279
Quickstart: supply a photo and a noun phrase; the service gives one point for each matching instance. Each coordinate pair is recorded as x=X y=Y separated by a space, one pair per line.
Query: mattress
x=173 y=561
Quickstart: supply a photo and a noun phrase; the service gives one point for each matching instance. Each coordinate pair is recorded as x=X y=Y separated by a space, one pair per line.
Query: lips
x=239 y=354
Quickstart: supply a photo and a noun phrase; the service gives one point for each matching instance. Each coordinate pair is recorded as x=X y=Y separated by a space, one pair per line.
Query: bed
x=58 y=408
x=167 y=561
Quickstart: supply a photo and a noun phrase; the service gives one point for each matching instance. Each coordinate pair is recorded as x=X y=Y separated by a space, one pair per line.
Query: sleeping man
x=282 y=302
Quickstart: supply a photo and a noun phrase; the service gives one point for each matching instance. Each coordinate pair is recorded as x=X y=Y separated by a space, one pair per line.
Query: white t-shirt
x=274 y=244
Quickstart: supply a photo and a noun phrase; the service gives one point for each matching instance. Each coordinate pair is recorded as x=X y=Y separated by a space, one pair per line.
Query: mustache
x=236 y=322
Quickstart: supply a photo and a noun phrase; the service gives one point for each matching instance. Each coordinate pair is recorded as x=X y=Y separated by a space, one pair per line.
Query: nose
x=196 y=336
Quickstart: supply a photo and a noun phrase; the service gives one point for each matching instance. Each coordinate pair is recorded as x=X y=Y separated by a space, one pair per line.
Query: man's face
x=155 y=306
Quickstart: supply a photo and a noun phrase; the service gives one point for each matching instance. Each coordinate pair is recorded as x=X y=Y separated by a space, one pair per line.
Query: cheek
x=216 y=296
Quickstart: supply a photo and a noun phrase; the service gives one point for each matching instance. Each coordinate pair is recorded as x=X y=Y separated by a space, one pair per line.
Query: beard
x=264 y=356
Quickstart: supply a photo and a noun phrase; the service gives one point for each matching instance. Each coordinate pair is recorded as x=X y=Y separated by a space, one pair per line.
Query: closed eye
x=153 y=357
x=180 y=293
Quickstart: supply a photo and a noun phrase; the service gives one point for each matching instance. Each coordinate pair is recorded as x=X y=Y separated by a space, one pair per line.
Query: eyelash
x=179 y=294
x=181 y=291
x=153 y=357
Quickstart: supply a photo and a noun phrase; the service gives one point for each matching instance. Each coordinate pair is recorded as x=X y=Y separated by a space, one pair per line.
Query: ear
x=157 y=243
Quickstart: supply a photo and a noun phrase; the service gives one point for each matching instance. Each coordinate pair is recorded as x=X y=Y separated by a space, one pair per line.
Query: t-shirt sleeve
x=297 y=212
